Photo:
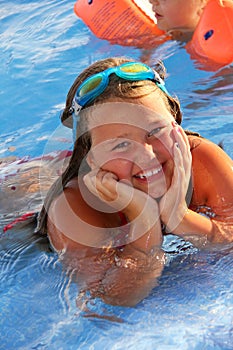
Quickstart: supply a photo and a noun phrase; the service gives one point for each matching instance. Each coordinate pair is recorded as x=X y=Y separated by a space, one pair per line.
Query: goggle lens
x=134 y=68
x=90 y=85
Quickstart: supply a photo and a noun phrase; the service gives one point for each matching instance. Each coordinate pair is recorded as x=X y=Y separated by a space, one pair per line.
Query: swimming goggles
x=93 y=86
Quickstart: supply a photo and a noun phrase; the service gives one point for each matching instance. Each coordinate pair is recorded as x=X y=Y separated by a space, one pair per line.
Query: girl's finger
x=182 y=140
x=89 y=181
x=181 y=137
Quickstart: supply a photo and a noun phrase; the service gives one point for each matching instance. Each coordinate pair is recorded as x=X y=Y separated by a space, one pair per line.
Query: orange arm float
x=213 y=37
x=122 y=22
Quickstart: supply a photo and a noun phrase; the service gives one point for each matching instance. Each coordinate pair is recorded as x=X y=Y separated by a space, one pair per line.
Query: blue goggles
x=93 y=86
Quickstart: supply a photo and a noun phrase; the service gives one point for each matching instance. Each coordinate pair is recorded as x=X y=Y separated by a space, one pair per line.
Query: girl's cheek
x=121 y=167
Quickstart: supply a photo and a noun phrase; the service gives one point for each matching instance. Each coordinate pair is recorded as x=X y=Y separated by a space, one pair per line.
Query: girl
x=134 y=175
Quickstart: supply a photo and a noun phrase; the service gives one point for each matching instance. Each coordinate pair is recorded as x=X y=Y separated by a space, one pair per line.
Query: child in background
x=134 y=176
x=207 y=26
x=178 y=17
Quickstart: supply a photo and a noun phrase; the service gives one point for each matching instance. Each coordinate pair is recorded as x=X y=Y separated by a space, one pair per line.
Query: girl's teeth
x=149 y=173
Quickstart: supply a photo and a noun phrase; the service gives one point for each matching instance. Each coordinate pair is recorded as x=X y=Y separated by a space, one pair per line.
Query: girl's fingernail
x=174 y=123
x=176 y=128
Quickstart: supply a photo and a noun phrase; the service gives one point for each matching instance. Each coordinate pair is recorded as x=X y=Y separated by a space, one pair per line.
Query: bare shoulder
x=78 y=216
x=208 y=151
x=76 y=200
x=212 y=170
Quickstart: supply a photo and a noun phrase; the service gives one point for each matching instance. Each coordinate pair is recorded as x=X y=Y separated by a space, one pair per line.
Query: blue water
x=43 y=47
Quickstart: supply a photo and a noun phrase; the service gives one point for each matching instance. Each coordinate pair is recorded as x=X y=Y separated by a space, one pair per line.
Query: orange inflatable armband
x=119 y=21
x=213 y=37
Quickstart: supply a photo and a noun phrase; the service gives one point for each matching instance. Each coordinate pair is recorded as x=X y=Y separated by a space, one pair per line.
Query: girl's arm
x=119 y=275
x=213 y=183
x=212 y=188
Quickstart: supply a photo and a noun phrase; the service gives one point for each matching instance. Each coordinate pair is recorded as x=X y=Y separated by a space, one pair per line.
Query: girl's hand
x=106 y=186
x=120 y=195
x=140 y=209
x=173 y=206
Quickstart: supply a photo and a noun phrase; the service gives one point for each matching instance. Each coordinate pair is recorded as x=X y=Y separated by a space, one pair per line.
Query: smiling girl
x=134 y=175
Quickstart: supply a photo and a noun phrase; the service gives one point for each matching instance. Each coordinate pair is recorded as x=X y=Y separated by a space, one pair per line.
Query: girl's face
x=174 y=14
x=135 y=142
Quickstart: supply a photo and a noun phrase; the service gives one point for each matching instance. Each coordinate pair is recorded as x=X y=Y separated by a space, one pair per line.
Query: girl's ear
x=91 y=161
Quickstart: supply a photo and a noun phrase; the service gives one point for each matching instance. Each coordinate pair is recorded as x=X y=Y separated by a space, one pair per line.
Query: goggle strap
x=76 y=107
x=160 y=82
x=75 y=118
x=163 y=88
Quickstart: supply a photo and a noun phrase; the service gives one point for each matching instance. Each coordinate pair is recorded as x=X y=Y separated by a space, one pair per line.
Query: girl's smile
x=149 y=174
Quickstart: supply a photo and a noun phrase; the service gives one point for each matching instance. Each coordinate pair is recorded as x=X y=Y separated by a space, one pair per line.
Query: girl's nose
x=154 y=2
x=144 y=154
x=148 y=148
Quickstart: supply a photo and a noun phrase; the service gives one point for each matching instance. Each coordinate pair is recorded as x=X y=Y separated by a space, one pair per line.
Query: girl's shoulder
x=204 y=149
x=212 y=171
x=77 y=208
x=76 y=200
x=71 y=222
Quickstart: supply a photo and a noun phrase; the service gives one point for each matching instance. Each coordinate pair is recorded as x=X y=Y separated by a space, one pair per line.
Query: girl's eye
x=154 y=131
x=121 y=146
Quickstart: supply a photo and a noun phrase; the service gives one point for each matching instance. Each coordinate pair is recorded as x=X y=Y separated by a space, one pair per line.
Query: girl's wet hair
x=117 y=88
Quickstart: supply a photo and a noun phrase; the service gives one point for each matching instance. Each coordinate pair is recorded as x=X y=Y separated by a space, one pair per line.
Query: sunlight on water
x=43 y=47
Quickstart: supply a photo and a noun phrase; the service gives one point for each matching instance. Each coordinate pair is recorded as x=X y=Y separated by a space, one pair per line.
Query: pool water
x=43 y=47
